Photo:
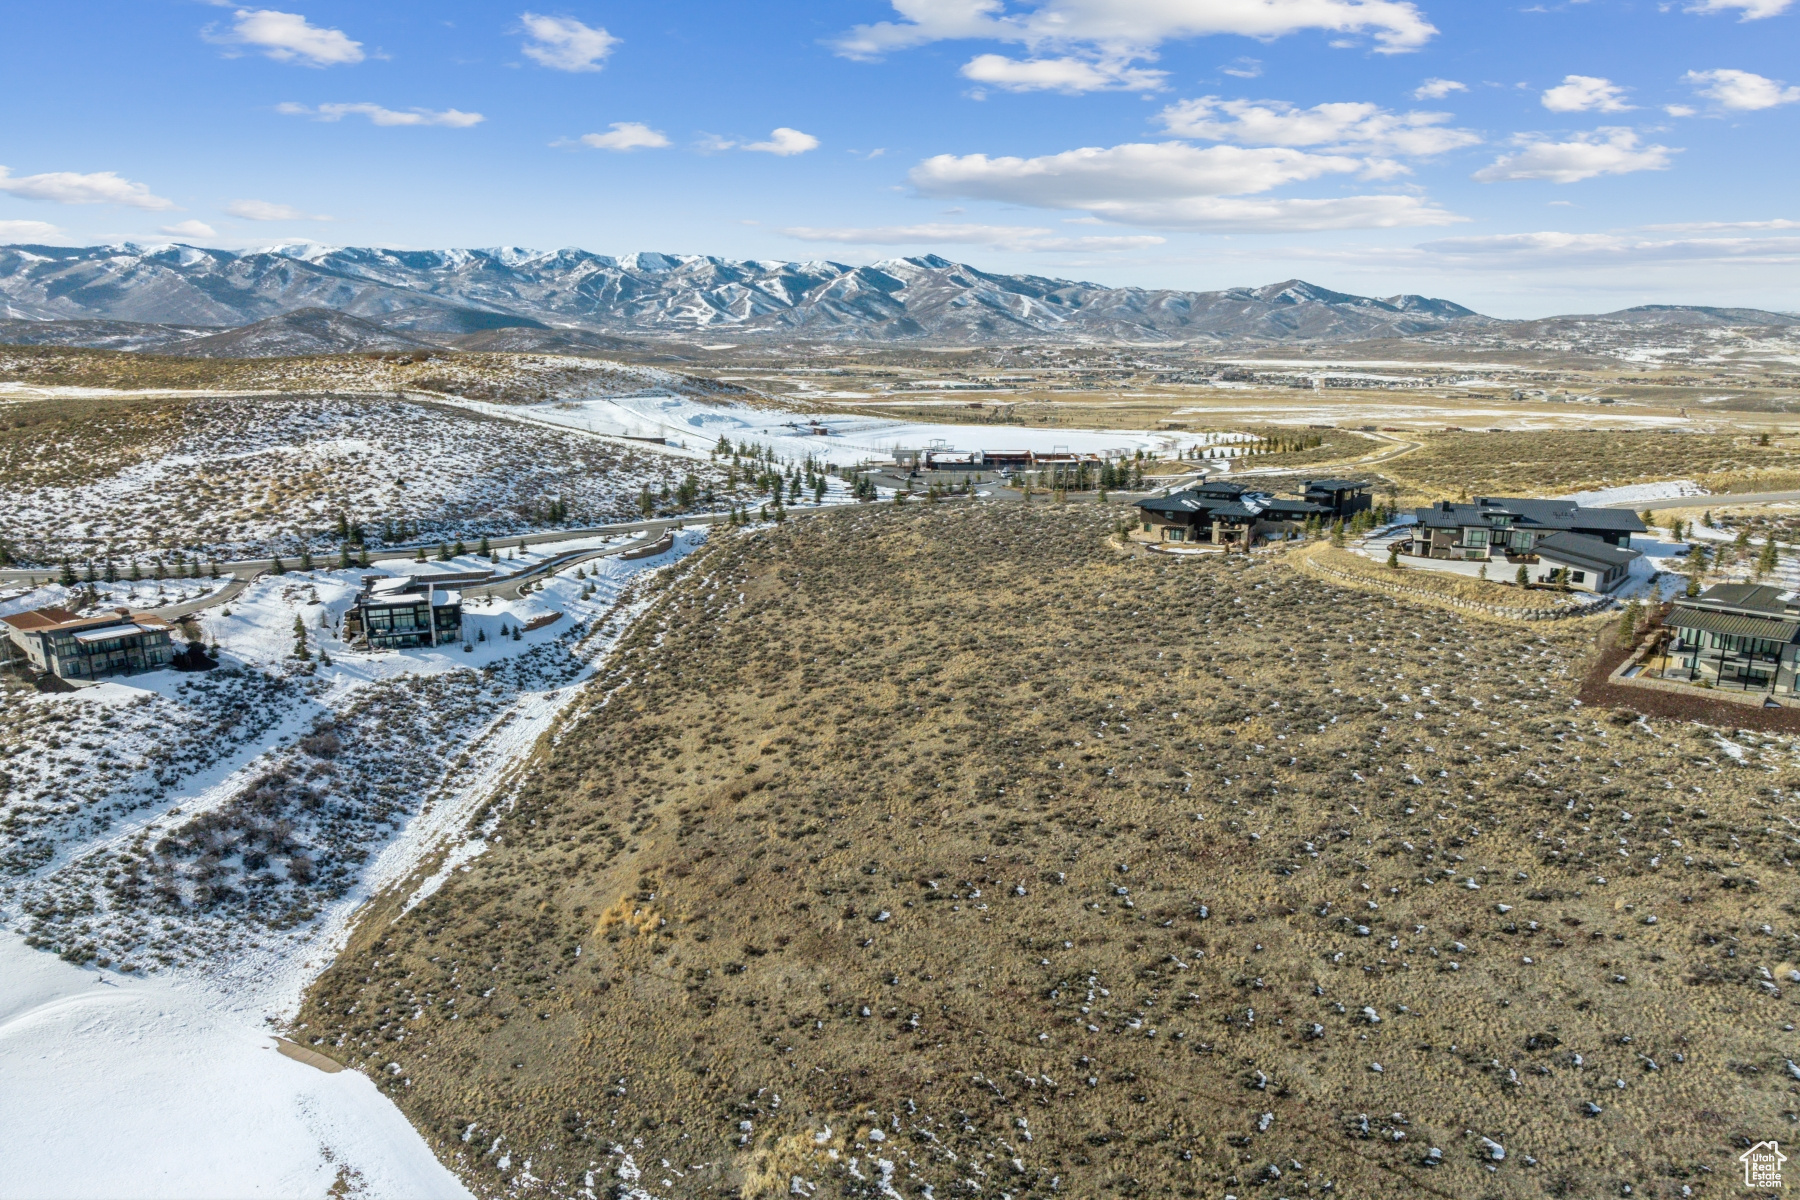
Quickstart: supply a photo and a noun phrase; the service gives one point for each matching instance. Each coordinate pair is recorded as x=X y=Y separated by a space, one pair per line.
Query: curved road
x=1716 y=500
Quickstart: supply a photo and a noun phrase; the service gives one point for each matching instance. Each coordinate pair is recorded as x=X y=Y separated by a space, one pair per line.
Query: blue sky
x=1521 y=158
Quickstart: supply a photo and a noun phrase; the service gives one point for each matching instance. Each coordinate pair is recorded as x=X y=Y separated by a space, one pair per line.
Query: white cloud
x=1135 y=27
x=1244 y=68
x=1174 y=185
x=1720 y=226
x=67 y=187
x=1554 y=248
x=1741 y=91
x=27 y=231
x=190 y=229
x=1753 y=10
x=1069 y=75
x=1680 y=110
x=626 y=135
x=1366 y=127
x=1001 y=237
x=288 y=37
x=450 y=117
x=1610 y=150
x=1437 y=89
x=785 y=142
x=266 y=210
x=1586 y=93
x=565 y=44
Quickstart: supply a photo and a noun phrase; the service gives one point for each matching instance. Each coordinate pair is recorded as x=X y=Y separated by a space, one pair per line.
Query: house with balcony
x=1344 y=497
x=1744 y=636
x=55 y=641
x=404 y=613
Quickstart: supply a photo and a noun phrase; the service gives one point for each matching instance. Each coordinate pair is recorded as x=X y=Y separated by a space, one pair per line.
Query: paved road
x=1718 y=500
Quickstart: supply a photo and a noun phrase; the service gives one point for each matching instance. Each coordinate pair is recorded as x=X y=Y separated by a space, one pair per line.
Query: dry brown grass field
x=950 y=851
x=1552 y=462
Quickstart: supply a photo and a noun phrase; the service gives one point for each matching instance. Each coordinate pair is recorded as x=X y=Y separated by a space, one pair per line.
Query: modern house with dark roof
x=1736 y=635
x=1344 y=497
x=403 y=613
x=1591 y=565
x=1594 y=542
x=119 y=642
x=1219 y=514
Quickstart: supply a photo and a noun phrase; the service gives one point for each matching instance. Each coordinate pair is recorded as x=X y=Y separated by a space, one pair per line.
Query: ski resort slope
x=163 y=1088
x=846 y=440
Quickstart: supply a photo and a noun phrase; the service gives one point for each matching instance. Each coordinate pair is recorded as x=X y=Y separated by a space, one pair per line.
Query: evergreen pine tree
x=1769 y=559
x=1394 y=555
x=213 y=569
x=362 y=557
x=276 y=568
x=88 y=574
x=136 y=574
x=485 y=549
x=1524 y=576
x=67 y=578
x=344 y=557
x=306 y=558
x=419 y=554
x=300 y=650
x=460 y=549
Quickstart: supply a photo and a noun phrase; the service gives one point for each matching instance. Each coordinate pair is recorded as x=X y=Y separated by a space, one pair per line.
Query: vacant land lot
x=516 y=378
x=945 y=851
x=1547 y=463
x=224 y=476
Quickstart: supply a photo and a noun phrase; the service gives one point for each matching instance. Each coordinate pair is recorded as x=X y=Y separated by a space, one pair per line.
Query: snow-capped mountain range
x=437 y=292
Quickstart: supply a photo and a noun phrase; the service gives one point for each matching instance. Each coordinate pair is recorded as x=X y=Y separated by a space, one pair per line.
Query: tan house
x=120 y=642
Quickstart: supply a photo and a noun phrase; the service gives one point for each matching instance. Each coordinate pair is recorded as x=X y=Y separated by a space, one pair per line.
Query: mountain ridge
x=518 y=298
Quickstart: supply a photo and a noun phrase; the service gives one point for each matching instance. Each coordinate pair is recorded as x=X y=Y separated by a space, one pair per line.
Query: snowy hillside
x=248 y=476
x=192 y=846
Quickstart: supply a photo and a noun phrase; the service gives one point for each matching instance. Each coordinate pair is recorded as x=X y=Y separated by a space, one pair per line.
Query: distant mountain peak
x=395 y=293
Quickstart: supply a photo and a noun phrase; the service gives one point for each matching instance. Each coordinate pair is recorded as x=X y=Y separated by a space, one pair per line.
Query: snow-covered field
x=847 y=440
x=1638 y=493
x=181 y=853
x=231 y=477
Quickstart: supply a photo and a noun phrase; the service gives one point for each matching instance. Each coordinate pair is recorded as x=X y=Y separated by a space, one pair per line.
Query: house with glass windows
x=404 y=613
x=1735 y=635
x=55 y=641
x=1221 y=513
x=1588 y=548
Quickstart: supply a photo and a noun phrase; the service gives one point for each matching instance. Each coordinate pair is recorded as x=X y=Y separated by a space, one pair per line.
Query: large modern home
x=1220 y=514
x=1736 y=635
x=1344 y=497
x=1593 y=545
x=404 y=612
x=119 y=642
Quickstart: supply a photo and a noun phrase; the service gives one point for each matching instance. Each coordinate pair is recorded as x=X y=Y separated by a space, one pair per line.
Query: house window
x=1178 y=535
x=1475 y=537
x=1146 y=527
x=1578 y=577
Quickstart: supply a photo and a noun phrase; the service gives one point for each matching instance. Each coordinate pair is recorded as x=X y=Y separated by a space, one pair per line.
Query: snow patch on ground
x=1637 y=493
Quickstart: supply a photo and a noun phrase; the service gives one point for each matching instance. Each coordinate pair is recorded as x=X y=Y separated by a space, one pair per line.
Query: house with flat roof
x=1344 y=497
x=404 y=613
x=1219 y=513
x=1735 y=635
x=57 y=642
